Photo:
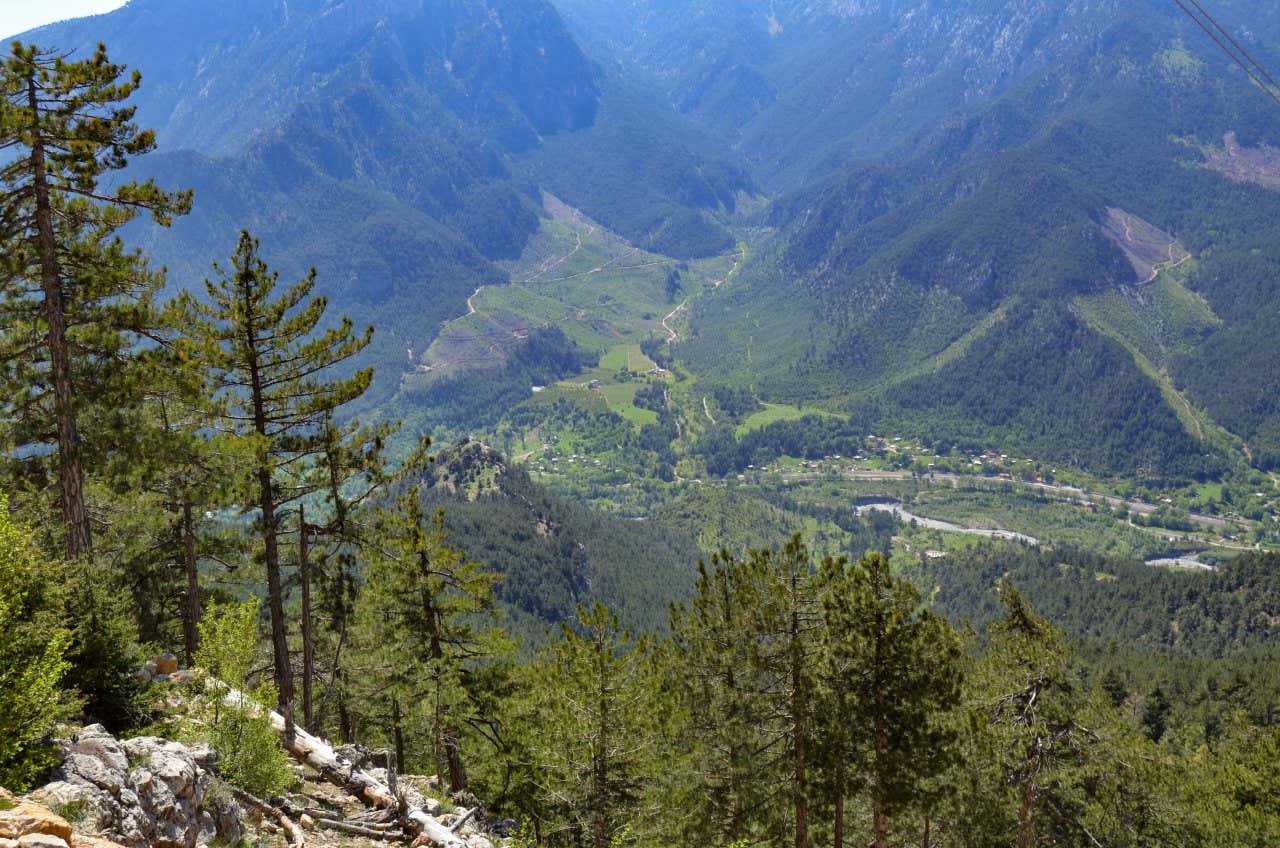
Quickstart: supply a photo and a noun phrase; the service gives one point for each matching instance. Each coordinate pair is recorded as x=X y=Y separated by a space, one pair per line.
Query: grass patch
x=628 y=356
x=774 y=412
x=74 y=811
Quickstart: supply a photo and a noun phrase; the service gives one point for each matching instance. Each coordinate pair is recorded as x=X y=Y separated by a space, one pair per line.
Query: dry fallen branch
x=357 y=830
x=291 y=831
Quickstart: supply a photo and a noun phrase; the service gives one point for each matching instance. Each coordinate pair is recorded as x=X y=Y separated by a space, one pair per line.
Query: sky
x=21 y=15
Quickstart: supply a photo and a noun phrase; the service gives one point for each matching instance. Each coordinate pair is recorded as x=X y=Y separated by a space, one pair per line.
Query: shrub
x=249 y=755
x=32 y=655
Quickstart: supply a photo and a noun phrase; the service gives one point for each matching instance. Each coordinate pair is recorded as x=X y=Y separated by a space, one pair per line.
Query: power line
x=1243 y=59
x=1262 y=70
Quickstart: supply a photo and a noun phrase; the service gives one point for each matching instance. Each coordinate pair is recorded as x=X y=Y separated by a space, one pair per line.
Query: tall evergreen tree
x=428 y=620
x=728 y=737
x=892 y=671
x=73 y=301
x=749 y=643
x=273 y=365
x=1032 y=703
x=350 y=472
x=784 y=654
x=599 y=704
x=165 y=489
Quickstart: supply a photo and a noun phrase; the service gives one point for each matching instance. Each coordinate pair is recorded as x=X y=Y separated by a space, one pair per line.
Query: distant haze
x=17 y=16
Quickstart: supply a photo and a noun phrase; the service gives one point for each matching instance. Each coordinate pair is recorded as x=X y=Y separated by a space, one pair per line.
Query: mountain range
x=1045 y=225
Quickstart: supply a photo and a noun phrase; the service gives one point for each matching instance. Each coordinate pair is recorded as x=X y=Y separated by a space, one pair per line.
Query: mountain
x=1059 y=256
x=800 y=86
x=401 y=146
x=1046 y=225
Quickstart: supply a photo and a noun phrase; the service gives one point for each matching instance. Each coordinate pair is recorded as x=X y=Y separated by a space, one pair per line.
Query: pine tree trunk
x=190 y=609
x=397 y=732
x=437 y=737
x=267 y=503
x=346 y=724
x=879 y=817
x=600 y=772
x=799 y=709
x=308 y=644
x=1026 y=830
x=453 y=752
x=838 y=830
x=75 y=512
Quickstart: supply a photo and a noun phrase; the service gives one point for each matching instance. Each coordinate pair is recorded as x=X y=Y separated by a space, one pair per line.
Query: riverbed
x=905 y=517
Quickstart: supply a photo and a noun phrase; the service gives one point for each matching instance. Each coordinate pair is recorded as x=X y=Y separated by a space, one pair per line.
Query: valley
x=627 y=434
x=640 y=423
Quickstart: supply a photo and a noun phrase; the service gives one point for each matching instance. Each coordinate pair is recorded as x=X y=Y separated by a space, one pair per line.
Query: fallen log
x=460 y=823
x=291 y=831
x=357 y=830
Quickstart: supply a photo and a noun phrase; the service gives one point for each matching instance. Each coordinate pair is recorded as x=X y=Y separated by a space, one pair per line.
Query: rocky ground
x=149 y=792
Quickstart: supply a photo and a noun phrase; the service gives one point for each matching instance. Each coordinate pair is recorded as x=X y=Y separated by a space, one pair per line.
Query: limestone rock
x=143 y=793
x=41 y=840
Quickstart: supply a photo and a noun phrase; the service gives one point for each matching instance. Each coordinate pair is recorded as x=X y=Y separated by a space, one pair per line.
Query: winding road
x=672 y=335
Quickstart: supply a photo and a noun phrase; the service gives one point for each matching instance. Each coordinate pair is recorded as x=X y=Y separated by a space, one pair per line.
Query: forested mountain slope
x=554 y=554
x=398 y=145
x=911 y=273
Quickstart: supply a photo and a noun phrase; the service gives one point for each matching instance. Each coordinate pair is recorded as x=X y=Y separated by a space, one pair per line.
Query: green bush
x=104 y=653
x=249 y=754
x=32 y=655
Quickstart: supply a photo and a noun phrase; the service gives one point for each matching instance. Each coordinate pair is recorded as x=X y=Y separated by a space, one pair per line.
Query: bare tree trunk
x=267 y=503
x=397 y=732
x=308 y=644
x=191 y=609
x=319 y=755
x=799 y=710
x=600 y=825
x=1026 y=829
x=346 y=726
x=838 y=831
x=878 y=814
x=453 y=753
x=75 y=511
x=437 y=737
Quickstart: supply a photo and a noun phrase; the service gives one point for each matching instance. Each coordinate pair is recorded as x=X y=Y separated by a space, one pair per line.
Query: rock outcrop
x=25 y=824
x=142 y=793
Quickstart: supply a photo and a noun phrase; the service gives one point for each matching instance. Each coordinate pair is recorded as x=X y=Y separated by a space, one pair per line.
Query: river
x=905 y=517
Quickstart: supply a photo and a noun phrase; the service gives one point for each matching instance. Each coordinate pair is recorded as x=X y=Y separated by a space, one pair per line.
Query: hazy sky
x=21 y=15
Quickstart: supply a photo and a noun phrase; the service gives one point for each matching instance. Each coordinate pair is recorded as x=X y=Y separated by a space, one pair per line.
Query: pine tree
x=274 y=366
x=350 y=472
x=428 y=615
x=784 y=654
x=1031 y=703
x=891 y=671
x=728 y=735
x=748 y=644
x=598 y=707
x=73 y=301
x=165 y=491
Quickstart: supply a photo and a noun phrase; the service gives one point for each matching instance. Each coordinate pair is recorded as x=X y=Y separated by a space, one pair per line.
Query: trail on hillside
x=554 y=263
x=672 y=335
